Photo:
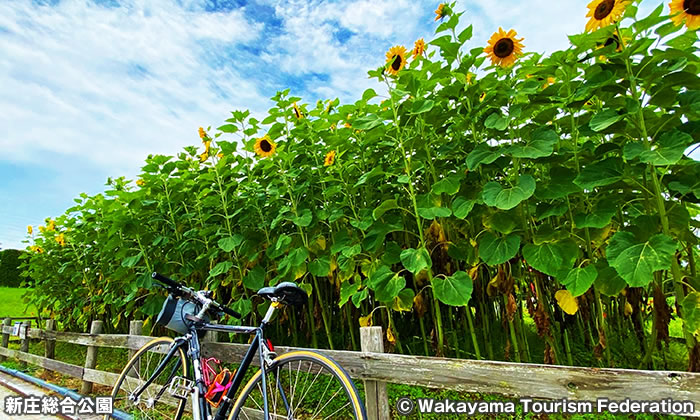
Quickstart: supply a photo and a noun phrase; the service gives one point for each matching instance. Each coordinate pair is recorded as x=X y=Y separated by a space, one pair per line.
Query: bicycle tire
x=300 y=364
x=167 y=406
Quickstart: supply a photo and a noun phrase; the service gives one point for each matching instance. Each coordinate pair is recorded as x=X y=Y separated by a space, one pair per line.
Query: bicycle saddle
x=286 y=292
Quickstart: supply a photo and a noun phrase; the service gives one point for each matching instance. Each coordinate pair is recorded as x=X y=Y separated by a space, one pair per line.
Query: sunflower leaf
x=422 y=105
x=507 y=198
x=465 y=35
x=579 y=280
x=228 y=128
x=482 y=154
x=455 y=290
x=637 y=261
x=605 y=119
x=496 y=250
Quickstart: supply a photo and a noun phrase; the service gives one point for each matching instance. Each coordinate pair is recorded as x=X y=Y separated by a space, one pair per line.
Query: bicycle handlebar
x=194 y=295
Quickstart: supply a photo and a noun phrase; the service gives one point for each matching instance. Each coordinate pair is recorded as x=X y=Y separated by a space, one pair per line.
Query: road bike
x=163 y=374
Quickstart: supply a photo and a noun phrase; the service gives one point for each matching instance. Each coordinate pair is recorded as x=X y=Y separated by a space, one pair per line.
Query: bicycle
x=161 y=375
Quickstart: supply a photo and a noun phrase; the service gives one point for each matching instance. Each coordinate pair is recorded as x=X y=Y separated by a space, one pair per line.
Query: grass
x=12 y=304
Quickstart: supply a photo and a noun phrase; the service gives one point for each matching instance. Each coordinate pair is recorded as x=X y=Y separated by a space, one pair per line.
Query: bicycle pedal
x=181 y=387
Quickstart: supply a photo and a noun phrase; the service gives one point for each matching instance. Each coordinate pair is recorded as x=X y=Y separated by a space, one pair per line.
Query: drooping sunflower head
x=297 y=111
x=203 y=157
x=604 y=12
x=202 y=133
x=30 y=229
x=330 y=158
x=504 y=48
x=418 y=48
x=441 y=11
x=687 y=11
x=207 y=145
x=264 y=146
x=395 y=59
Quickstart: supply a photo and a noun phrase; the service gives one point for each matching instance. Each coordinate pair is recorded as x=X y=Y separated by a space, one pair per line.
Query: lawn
x=12 y=304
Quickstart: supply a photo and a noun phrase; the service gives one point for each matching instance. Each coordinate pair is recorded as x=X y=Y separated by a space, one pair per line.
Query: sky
x=89 y=88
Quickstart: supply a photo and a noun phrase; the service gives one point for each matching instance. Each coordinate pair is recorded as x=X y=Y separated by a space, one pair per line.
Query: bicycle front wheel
x=301 y=385
x=155 y=402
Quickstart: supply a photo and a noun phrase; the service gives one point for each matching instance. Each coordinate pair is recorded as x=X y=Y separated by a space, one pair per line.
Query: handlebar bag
x=172 y=315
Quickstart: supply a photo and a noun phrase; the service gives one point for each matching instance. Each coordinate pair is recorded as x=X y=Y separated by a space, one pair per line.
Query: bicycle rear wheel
x=301 y=385
x=155 y=402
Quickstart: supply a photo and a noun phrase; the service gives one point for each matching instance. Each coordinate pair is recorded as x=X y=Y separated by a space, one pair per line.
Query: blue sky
x=88 y=88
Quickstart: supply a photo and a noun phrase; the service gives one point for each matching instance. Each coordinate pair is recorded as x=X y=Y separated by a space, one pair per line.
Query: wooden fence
x=375 y=368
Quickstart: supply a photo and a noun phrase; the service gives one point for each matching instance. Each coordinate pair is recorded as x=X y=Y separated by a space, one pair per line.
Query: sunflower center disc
x=265 y=146
x=604 y=9
x=396 y=64
x=692 y=7
x=503 y=48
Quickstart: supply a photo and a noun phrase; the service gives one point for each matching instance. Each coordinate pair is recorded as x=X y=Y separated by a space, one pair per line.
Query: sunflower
x=51 y=225
x=441 y=11
x=140 y=182
x=42 y=229
x=395 y=59
x=330 y=158
x=347 y=125
x=297 y=112
x=203 y=157
x=604 y=13
x=504 y=48
x=686 y=10
x=264 y=146
x=548 y=82
x=202 y=133
x=482 y=96
x=469 y=77
x=61 y=240
x=30 y=229
x=220 y=155
x=36 y=249
x=207 y=145
x=418 y=48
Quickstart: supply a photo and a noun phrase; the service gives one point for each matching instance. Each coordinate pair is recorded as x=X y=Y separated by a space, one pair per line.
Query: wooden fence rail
x=515 y=380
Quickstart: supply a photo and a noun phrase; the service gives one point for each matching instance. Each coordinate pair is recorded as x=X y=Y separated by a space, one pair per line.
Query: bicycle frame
x=200 y=407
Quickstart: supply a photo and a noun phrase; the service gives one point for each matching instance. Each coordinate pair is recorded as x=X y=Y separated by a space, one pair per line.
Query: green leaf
x=691 y=312
x=386 y=284
x=384 y=207
x=579 y=280
x=422 y=105
x=465 y=35
x=434 y=212
x=229 y=243
x=608 y=281
x=497 y=121
x=455 y=290
x=541 y=144
x=416 y=260
x=303 y=219
x=637 y=261
x=376 y=171
x=496 y=250
x=502 y=222
x=255 y=279
x=600 y=217
x=600 y=174
x=482 y=154
x=358 y=297
x=367 y=122
x=604 y=119
x=347 y=289
x=507 y=198
x=132 y=261
x=404 y=301
x=320 y=267
x=546 y=258
x=228 y=128
x=449 y=185
x=632 y=150
x=221 y=268
x=368 y=94
x=243 y=307
x=668 y=149
x=461 y=207
x=560 y=185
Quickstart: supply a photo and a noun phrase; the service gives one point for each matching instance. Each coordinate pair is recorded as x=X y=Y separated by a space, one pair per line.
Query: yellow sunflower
x=330 y=158
x=395 y=59
x=418 y=48
x=140 y=182
x=51 y=225
x=548 y=82
x=441 y=12
x=37 y=249
x=264 y=146
x=30 y=229
x=297 y=112
x=604 y=13
x=61 y=240
x=203 y=157
x=504 y=48
x=482 y=96
x=687 y=11
x=347 y=125
x=42 y=229
x=202 y=133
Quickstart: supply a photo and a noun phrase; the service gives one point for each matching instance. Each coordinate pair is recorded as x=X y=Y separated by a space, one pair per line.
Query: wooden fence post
x=24 y=345
x=50 y=344
x=5 y=337
x=91 y=357
x=135 y=328
x=376 y=398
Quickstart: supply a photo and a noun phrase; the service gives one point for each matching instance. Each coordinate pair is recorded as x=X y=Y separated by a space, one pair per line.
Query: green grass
x=12 y=304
